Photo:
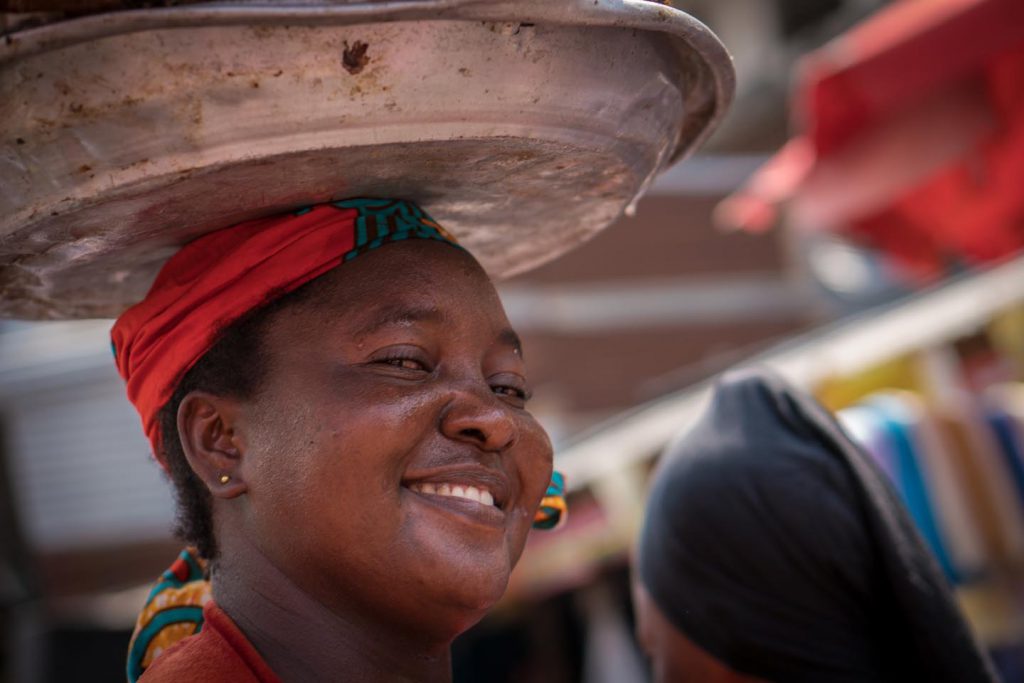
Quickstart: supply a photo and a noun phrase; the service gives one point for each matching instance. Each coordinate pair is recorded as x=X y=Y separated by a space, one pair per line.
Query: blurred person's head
x=773 y=549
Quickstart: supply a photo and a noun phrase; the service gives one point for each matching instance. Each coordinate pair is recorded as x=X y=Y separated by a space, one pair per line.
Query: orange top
x=220 y=653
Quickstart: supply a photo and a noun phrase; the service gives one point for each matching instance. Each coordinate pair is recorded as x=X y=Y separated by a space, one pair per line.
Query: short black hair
x=235 y=366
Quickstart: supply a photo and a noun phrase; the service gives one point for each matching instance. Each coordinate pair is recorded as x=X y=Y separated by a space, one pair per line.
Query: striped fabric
x=554 y=509
x=173 y=611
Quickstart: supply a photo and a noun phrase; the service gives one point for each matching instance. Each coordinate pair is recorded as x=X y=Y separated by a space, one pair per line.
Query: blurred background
x=856 y=224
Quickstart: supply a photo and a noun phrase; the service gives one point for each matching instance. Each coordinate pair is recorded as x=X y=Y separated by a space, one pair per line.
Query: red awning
x=913 y=137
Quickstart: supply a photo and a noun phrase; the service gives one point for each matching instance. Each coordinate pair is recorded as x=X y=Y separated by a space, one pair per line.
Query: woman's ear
x=207 y=428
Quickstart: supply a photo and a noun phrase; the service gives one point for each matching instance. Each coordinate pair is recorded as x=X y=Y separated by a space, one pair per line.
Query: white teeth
x=473 y=493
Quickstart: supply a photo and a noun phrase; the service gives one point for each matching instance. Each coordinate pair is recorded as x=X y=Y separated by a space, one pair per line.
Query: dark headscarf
x=775 y=544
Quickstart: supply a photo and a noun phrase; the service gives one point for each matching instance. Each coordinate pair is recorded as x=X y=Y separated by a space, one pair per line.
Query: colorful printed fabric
x=173 y=611
x=215 y=280
x=554 y=510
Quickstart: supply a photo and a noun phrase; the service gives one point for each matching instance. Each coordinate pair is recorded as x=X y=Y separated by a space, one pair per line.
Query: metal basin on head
x=523 y=127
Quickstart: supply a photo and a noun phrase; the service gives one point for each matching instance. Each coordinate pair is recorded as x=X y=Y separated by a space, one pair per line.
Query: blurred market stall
x=912 y=139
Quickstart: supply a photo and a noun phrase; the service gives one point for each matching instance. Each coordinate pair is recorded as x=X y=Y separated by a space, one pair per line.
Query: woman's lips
x=480 y=494
x=475 y=502
x=467 y=481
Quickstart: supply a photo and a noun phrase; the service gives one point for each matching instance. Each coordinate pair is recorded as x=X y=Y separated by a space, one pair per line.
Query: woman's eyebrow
x=508 y=337
x=398 y=316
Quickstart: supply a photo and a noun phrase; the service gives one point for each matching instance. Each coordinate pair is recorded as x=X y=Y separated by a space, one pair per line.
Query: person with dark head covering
x=773 y=549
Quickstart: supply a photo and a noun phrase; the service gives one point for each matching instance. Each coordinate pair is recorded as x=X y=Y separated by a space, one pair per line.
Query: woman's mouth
x=481 y=503
x=468 y=492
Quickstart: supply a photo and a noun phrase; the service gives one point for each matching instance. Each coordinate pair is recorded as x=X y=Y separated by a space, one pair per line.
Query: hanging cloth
x=899 y=422
x=953 y=508
x=868 y=430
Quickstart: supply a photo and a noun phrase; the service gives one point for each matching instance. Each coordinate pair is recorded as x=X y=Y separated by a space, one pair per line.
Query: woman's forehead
x=414 y=284
x=411 y=266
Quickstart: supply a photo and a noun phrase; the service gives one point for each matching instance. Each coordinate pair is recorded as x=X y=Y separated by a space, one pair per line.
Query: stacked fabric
x=960 y=472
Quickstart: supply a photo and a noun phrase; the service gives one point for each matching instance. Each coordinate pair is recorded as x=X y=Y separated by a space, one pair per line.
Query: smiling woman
x=350 y=445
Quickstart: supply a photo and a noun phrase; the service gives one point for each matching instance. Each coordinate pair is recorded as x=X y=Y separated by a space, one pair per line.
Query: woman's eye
x=404 y=363
x=511 y=392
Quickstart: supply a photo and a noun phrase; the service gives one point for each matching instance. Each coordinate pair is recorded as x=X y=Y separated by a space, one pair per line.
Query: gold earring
x=224 y=478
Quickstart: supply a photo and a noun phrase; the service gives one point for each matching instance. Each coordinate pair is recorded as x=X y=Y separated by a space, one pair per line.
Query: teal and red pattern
x=173 y=611
x=387 y=220
x=554 y=510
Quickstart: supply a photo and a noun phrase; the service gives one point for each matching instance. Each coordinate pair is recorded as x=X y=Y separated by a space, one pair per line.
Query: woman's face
x=392 y=468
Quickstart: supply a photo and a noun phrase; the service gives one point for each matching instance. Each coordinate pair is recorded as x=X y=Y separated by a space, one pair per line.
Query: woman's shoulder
x=219 y=653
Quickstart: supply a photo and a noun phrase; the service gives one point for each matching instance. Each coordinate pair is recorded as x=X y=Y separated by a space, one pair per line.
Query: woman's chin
x=465 y=616
x=478 y=587
x=469 y=568
x=465 y=601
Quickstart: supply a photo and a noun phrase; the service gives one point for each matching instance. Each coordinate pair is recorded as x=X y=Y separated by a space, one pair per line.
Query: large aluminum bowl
x=523 y=127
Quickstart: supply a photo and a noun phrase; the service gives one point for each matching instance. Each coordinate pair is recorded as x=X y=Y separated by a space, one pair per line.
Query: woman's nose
x=477 y=416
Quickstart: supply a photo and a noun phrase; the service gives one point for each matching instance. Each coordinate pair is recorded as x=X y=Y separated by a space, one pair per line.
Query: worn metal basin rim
x=521 y=174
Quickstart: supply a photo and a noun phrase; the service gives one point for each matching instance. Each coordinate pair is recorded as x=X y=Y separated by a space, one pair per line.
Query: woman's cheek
x=541 y=460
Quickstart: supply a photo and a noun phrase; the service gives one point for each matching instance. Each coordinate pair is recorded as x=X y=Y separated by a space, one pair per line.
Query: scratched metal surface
x=524 y=127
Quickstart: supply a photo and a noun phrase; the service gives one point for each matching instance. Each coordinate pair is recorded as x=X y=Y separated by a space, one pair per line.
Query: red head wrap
x=215 y=280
